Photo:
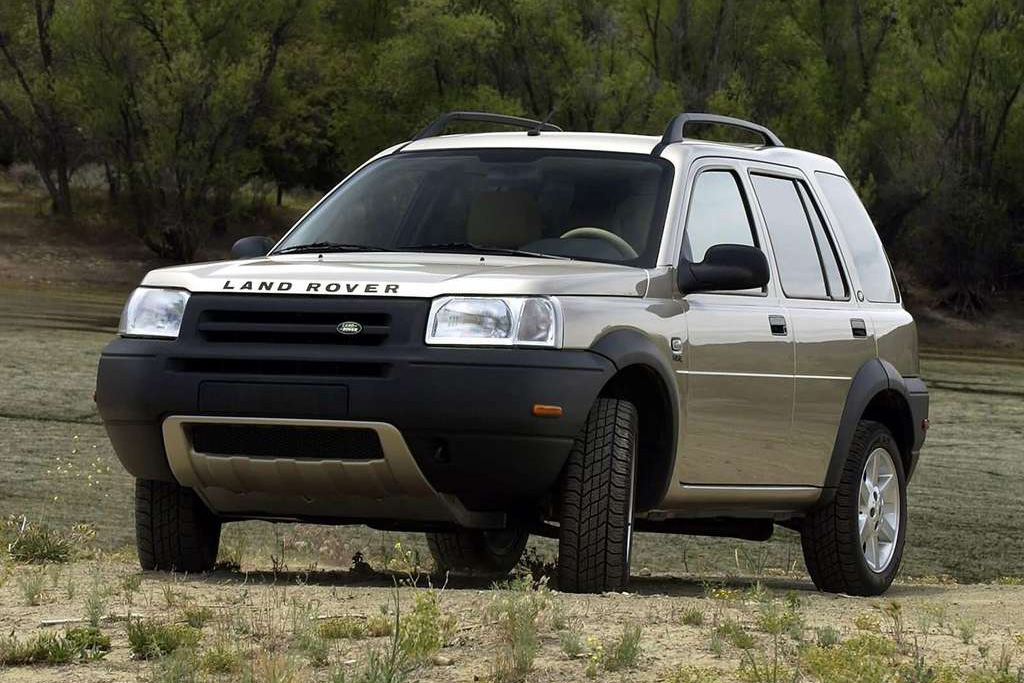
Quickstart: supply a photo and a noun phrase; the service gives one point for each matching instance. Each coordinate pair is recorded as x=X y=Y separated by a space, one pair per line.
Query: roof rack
x=674 y=131
x=438 y=126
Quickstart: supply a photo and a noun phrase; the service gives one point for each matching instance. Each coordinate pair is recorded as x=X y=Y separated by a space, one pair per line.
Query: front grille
x=277 y=326
x=286 y=441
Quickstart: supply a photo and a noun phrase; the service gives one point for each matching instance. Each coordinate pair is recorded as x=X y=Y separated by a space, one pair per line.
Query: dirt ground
x=934 y=617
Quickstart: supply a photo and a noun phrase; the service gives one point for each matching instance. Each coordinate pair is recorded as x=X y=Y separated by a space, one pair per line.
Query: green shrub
x=220 y=659
x=150 y=639
x=348 y=628
x=39 y=544
x=826 y=636
x=51 y=648
x=426 y=630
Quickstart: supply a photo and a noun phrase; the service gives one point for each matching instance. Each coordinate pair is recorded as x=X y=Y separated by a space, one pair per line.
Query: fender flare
x=627 y=347
x=875 y=376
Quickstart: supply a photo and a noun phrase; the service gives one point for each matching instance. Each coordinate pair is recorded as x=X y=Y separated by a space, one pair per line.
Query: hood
x=404 y=274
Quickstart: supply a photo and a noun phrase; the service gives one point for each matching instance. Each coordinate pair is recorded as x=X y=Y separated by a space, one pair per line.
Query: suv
x=575 y=335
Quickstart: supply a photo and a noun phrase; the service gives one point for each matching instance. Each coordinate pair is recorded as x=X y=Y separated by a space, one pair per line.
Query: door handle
x=860 y=329
x=778 y=324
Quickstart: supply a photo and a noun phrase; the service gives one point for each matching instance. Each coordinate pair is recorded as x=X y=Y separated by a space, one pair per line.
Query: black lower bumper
x=917 y=398
x=466 y=414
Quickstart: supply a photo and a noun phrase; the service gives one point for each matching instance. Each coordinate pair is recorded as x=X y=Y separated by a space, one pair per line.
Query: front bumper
x=464 y=414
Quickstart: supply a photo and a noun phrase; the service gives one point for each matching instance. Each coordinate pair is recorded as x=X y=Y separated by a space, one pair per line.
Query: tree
x=36 y=99
x=177 y=89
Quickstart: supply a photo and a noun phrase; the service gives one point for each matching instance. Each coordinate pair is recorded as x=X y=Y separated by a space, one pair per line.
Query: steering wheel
x=621 y=245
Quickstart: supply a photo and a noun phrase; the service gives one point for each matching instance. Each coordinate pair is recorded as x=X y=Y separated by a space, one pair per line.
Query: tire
x=477 y=553
x=837 y=558
x=174 y=530
x=596 y=506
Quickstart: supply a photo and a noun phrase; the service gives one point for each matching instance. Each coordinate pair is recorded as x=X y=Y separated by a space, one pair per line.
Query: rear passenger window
x=718 y=215
x=837 y=288
x=865 y=247
x=800 y=269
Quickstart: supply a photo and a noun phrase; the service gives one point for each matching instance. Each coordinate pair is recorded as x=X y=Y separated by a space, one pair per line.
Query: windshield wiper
x=327 y=247
x=481 y=249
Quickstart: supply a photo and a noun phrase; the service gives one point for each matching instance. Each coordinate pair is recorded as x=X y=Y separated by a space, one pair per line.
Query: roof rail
x=438 y=126
x=674 y=131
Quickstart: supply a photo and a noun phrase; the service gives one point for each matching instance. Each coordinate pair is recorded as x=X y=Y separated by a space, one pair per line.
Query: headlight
x=504 y=321
x=153 y=313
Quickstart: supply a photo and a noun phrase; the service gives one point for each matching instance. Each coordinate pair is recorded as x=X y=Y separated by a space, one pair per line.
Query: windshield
x=581 y=205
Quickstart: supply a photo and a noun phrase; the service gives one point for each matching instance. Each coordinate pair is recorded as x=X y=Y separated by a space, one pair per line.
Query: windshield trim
x=648 y=259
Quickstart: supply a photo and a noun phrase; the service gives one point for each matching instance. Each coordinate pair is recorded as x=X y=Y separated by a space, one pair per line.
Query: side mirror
x=726 y=267
x=252 y=247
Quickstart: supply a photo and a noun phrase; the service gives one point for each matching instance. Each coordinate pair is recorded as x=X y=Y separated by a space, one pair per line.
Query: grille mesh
x=286 y=441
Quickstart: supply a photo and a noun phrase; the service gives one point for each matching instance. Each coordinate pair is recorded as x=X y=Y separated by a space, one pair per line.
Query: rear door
x=833 y=335
x=738 y=376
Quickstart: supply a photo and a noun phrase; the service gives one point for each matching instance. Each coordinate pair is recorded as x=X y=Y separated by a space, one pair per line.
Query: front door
x=737 y=380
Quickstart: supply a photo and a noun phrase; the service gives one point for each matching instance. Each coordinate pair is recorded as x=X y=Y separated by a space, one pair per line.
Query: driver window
x=718 y=215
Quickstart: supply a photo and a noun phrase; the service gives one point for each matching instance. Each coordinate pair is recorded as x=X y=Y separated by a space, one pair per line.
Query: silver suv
x=574 y=335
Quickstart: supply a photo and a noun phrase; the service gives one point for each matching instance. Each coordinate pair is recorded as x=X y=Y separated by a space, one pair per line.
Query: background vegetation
x=183 y=102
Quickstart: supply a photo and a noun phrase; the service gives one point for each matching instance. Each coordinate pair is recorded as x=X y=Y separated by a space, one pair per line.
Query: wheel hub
x=879 y=510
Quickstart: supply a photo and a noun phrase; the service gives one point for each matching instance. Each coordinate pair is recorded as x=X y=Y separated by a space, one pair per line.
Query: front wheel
x=477 y=553
x=174 y=530
x=854 y=544
x=596 y=515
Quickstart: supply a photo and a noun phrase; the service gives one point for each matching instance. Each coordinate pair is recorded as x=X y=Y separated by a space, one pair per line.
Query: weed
x=623 y=652
x=37 y=543
x=571 y=641
x=348 y=628
x=693 y=616
x=150 y=639
x=359 y=565
x=70 y=587
x=775 y=619
x=179 y=667
x=316 y=647
x=390 y=664
x=892 y=613
x=517 y=612
x=734 y=633
x=538 y=567
x=826 y=636
x=426 y=630
x=274 y=667
x=97 y=598
x=51 y=648
x=716 y=644
x=966 y=628
x=752 y=563
x=31 y=584
x=196 y=617
x=380 y=625
x=171 y=597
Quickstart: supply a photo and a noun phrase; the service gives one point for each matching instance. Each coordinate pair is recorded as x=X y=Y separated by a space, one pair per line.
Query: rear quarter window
x=876 y=277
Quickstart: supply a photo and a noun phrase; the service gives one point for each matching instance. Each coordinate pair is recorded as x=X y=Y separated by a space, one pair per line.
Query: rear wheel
x=477 y=553
x=174 y=530
x=854 y=544
x=596 y=516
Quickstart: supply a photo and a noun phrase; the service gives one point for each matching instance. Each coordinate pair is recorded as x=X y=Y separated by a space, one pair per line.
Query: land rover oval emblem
x=349 y=327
